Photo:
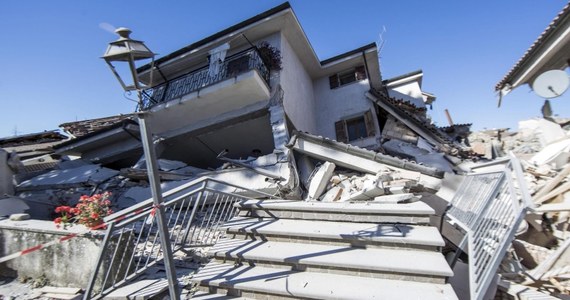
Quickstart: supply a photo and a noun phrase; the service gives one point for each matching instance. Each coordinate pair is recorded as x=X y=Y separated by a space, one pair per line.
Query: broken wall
x=397 y=130
x=410 y=92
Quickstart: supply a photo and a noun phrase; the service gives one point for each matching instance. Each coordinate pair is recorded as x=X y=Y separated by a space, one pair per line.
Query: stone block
x=320 y=180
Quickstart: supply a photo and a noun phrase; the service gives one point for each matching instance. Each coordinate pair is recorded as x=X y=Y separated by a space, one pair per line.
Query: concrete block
x=370 y=189
x=367 y=194
x=394 y=198
x=320 y=180
x=332 y=195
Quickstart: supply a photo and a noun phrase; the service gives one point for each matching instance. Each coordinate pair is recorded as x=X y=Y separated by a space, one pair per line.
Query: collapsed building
x=348 y=164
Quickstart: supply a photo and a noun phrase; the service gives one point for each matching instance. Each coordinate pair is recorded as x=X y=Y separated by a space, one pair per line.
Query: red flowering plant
x=89 y=211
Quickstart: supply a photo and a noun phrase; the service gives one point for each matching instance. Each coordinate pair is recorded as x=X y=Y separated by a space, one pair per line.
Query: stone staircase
x=282 y=249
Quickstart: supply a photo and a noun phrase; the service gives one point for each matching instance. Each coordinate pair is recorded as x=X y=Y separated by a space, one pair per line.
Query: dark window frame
x=347 y=77
x=343 y=128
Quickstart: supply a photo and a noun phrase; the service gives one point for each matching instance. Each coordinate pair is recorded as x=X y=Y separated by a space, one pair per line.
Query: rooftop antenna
x=381 y=40
x=16 y=132
x=108 y=27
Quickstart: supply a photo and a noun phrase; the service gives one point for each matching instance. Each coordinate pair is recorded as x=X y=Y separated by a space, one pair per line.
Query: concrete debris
x=317 y=169
x=544 y=131
x=87 y=174
x=542 y=243
x=555 y=155
x=320 y=180
x=420 y=155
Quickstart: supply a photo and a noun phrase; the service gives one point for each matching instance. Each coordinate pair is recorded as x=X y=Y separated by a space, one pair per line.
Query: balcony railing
x=232 y=66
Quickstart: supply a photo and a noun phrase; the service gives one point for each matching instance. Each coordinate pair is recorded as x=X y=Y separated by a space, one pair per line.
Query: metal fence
x=232 y=66
x=131 y=245
x=489 y=207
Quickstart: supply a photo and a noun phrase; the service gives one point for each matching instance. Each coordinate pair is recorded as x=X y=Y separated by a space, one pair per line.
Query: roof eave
x=533 y=59
x=218 y=35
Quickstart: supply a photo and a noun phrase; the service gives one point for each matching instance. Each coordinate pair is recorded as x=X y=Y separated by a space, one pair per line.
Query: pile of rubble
x=313 y=168
x=539 y=260
x=329 y=186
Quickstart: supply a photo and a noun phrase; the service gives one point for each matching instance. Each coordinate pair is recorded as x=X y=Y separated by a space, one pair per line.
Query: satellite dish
x=551 y=84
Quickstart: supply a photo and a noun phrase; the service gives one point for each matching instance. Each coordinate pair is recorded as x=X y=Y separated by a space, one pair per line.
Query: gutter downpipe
x=366 y=67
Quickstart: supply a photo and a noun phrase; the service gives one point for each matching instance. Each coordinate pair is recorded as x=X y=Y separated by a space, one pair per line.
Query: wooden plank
x=557 y=191
x=553 y=207
x=552 y=183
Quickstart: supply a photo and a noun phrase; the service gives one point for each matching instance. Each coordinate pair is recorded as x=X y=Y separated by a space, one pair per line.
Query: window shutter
x=360 y=73
x=369 y=122
x=340 y=129
x=333 y=81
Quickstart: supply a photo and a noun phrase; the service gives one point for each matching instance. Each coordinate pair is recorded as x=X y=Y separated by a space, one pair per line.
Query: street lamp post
x=127 y=50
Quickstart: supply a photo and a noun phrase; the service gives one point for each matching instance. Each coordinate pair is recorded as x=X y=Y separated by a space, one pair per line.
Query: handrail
x=489 y=208
x=194 y=214
x=147 y=204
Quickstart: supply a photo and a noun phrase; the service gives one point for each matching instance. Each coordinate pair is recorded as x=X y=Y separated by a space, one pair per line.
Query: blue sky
x=52 y=72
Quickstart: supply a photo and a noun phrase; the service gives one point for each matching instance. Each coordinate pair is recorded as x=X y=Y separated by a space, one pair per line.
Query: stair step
x=140 y=289
x=416 y=265
x=201 y=295
x=415 y=212
x=253 y=281
x=337 y=233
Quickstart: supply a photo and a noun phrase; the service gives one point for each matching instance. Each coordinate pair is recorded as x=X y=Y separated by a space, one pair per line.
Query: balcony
x=237 y=64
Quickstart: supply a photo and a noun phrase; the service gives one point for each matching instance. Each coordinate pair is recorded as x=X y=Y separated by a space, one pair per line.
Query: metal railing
x=489 y=207
x=194 y=212
x=232 y=66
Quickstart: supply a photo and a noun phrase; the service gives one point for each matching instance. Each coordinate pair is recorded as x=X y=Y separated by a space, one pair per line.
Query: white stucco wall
x=341 y=103
x=411 y=92
x=298 y=95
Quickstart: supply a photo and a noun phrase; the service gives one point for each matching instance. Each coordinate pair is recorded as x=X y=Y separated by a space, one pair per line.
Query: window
x=355 y=128
x=346 y=77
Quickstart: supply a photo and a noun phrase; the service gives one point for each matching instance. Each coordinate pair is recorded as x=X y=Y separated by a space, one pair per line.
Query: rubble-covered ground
x=539 y=258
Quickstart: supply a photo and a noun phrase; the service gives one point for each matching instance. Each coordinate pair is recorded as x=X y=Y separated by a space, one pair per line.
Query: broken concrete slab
x=370 y=189
x=362 y=160
x=334 y=194
x=83 y=175
x=545 y=130
x=555 y=154
x=399 y=198
x=320 y=180
x=420 y=155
